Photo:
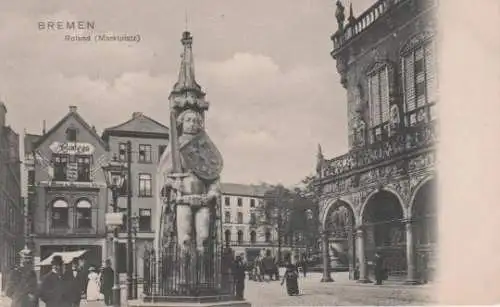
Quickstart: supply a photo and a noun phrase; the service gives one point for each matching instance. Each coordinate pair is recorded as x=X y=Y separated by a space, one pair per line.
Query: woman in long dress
x=291 y=277
x=93 y=285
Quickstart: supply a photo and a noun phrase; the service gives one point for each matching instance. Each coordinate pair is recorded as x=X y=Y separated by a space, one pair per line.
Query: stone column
x=410 y=255
x=326 y=260
x=363 y=271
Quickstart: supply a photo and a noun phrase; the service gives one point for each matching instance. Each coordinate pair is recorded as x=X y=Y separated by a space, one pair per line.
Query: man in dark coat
x=239 y=277
x=52 y=287
x=73 y=280
x=22 y=286
x=107 y=281
x=379 y=269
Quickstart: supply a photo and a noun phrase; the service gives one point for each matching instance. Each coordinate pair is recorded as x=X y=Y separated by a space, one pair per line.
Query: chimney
x=43 y=127
x=73 y=109
x=3 y=112
x=136 y=114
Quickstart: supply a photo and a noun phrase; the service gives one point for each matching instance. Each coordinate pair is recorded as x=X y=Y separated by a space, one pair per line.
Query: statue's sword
x=177 y=175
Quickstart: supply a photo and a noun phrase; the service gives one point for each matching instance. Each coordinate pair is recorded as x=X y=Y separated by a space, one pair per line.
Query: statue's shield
x=202 y=157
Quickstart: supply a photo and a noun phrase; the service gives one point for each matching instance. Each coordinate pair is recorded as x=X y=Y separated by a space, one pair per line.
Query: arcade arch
x=384 y=229
x=339 y=223
x=424 y=224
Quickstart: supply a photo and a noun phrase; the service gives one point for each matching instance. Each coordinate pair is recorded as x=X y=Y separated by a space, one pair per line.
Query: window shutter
x=374 y=100
x=430 y=73
x=409 y=83
x=384 y=94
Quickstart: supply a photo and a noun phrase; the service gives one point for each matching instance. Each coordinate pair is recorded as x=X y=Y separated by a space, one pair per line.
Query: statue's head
x=191 y=122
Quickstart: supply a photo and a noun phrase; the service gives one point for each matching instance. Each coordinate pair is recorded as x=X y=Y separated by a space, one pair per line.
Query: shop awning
x=66 y=256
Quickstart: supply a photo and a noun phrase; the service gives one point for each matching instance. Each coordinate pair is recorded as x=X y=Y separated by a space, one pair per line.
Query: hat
x=57 y=260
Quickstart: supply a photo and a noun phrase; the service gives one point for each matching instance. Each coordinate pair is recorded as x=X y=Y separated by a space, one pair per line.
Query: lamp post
x=130 y=252
x=135 y=226
x=115 y=173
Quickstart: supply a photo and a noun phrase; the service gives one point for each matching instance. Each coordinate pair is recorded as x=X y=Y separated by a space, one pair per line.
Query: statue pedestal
x=189 y=303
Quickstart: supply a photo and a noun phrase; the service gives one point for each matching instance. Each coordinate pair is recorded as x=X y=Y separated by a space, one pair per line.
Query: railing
x=363 y=21
x=411 y=140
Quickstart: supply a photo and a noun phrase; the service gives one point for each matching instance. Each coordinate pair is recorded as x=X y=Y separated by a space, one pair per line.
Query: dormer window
x=71 y=134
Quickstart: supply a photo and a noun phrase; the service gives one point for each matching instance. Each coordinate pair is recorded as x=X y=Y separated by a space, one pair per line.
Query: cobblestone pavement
x=315 y=293
x=341 y=292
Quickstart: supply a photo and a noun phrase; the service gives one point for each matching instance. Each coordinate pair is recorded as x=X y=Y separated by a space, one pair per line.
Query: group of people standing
x=59 y=287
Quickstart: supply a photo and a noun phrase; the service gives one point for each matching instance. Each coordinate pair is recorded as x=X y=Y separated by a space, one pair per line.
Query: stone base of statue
x=195 y=279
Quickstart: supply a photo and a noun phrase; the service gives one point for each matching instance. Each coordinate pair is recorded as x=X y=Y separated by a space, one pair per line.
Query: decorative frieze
x=423 y=161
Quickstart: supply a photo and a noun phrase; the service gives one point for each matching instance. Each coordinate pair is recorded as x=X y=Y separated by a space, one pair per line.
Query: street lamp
x=115 y=173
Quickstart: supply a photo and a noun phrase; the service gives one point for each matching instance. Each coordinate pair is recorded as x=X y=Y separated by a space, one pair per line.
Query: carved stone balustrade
x=409 y=141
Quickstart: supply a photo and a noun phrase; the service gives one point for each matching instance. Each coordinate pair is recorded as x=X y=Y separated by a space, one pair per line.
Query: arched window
x=227 y=236
x=240 y=218
x=240 y=237
x=253 y=237
x=419 y=79
x=83 y=214
x=59 y=214
x=268 y=236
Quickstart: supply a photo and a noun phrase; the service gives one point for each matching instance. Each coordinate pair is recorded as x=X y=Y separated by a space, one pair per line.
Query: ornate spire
x=186 y=91
x=351 y=19
x=319 y=160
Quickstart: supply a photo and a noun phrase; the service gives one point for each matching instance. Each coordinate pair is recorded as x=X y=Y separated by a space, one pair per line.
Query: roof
x=139 y=124
x=29 y=141
x=243 y=189
x=72 y=113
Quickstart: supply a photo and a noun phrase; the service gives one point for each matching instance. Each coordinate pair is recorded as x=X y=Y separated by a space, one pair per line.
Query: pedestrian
x=52 y=286
x=74 y=279
x=379 y=269
x=291 y=277
x=93 y=287
x=107 y=281
x=304 y=265
x=22 y=286
x=239 y=278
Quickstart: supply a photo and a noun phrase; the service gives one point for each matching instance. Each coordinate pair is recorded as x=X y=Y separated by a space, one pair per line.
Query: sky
x=265 y=66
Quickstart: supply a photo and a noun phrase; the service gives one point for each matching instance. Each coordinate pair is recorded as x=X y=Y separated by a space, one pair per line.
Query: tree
x=290 y=212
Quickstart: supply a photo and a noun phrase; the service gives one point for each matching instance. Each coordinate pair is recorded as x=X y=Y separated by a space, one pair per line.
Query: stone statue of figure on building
x=359 y=124
x=340 y=15
x=395 y=119
x=188 y=182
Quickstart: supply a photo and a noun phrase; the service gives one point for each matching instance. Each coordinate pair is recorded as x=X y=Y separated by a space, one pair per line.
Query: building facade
x=148 y=139
x=70 y=193
x=11 y=204
x=242 y=229
x=380 y=196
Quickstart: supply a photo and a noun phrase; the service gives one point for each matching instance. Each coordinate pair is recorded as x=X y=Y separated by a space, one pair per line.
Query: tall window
x=240 y=202
x=83 y=214
x=144 y=219
x=83 y=166
x=253 y=237
x=145 y=153
x=252 y=203
x=124 y=224
x=60 y=163
x=240 y=237
x=71 y=134
x=267 y=236
x=122 y=151
x=60 y=214
x=378 y=93
x=227 y=236
x=31 y=177
x=240 y=218
x=227 y=217
x=161 y=149
x=419 y=83
x=145 y=188
x=227 y=201
x=253 y=219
